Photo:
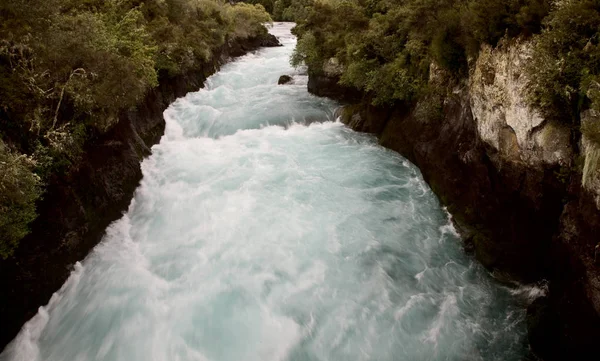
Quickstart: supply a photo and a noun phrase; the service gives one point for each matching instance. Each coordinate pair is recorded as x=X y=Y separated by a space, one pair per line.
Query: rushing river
x=264 y=230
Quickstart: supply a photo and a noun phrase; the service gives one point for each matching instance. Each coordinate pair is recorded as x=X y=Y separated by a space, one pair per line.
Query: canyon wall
x=524 y=191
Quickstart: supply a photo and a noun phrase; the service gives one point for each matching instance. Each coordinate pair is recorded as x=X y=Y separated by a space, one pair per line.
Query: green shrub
x=288 y=10
x=19 y=189
x=248 y=20
x=306 y=52
x=103 y=61
x=68 y=68
x=487 y=21
x=267 y=4
x=566 y=60
x=386 y=47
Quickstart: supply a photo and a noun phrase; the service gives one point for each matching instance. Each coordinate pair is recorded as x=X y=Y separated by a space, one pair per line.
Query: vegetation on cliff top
x=285 y=10
x=19 y=188
x=566 y=61
x=386 y=47
x=69 y=67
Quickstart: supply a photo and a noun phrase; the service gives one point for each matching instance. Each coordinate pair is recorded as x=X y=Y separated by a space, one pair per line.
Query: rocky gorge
x=523 y=190
x=263 y=229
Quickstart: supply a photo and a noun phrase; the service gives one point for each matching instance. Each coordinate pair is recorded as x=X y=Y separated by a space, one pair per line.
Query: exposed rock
x=591 y=153
x=326 y=83
x=504 y=118
x=241 y=47
x=269 y=41
x=325 y=86
x=366 y=118
x=502 y=171
x=284 y=79
x=333 y=68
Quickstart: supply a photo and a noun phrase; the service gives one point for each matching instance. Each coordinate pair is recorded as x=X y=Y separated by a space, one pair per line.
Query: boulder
x=284 y=79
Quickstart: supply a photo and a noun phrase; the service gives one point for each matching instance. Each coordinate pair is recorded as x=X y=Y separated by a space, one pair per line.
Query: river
x=265 y=230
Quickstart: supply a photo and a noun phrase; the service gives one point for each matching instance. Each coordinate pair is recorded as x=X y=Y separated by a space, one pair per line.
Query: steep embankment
x=523 y=190
x=76 y=209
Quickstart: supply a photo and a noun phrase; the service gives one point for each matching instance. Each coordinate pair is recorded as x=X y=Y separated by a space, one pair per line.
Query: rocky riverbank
x=77 y=208
x=523 y=190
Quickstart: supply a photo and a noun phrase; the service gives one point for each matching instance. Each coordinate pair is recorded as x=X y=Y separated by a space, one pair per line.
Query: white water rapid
x=263 y=230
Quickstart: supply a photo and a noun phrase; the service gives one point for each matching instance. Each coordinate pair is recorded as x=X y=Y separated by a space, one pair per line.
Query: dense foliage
x=19 y=188
x=286 y=10
x=386 y=47
x=69 y=67
x=566 y=61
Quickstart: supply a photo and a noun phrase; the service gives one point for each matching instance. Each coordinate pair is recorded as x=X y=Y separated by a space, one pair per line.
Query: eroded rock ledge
x=76 y=209
x=514 y=184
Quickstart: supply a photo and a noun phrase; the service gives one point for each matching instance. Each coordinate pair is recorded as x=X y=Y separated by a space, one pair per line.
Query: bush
x=19 y=189
x=289 y=10
x=103 y=61
x=566 y=60
x=267 y=4
x=306 y=52
x=386 y=47
x=487 y=21
x=68 y=68
x=248 y=20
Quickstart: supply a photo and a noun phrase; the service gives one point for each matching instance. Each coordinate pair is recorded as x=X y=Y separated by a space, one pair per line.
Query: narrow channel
x=265 y=230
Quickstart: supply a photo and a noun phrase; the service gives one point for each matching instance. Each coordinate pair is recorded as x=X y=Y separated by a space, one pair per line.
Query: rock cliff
x=505 y=121
x=515 y=184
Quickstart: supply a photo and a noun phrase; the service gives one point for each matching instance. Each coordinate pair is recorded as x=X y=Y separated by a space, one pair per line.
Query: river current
x=264 y=230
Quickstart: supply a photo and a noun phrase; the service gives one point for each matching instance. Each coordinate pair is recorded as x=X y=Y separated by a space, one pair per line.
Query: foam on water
x=264 y=230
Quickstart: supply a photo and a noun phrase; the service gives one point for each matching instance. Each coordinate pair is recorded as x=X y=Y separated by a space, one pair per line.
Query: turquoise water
x=264 y=230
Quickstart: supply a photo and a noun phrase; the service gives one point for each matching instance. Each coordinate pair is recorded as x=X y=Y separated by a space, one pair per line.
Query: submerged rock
x=284 y=79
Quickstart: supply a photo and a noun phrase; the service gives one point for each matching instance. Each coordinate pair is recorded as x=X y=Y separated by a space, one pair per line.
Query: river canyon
x=265 y=229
